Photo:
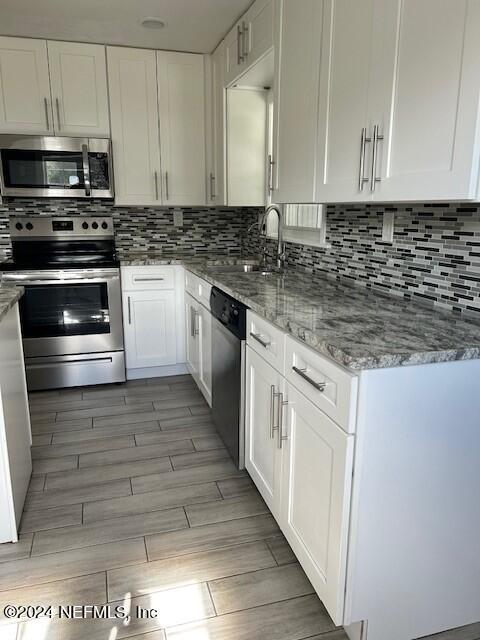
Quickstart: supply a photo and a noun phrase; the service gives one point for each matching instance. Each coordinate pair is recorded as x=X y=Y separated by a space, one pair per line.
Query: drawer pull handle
x=256 y=337
x=148 y=279
x=319 y=386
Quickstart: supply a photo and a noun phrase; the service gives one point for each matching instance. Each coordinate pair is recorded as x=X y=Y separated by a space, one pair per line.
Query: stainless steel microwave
x=55 y=167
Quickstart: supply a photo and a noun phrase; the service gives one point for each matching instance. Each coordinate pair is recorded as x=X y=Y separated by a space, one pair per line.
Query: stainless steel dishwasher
x=228 y=371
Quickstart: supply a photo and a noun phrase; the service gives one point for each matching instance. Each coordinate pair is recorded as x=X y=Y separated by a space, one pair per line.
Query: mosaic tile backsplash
x=205 y=230
x=434 y=258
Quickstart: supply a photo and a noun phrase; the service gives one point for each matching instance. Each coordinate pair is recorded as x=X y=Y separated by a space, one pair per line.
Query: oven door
x=70 y=312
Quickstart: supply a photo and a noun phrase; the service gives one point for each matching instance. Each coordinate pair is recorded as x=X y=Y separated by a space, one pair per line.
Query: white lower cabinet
x=150 y=328
x=199 y=345
x=264 y=388
x=317 y=460
x=153 y=320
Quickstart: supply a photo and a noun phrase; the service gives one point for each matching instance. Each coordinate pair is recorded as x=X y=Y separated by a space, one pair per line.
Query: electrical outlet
x=178 y=218
x=388 y=226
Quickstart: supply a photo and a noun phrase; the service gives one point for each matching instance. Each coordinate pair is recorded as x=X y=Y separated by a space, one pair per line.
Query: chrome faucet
x=280 y=257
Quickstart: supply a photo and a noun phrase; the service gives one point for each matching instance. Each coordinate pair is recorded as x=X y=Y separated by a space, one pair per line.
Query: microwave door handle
x=86 y=170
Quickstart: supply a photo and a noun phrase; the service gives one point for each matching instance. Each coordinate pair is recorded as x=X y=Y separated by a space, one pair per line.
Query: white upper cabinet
x=25 y=99
x=132 y=80
x=79 y=88
x=181 y=100
x=56 y=88
x=249 y=39
x=216 y=116
x=296 y=100
x=343 y=147
x=257 y=30
x=425 y=99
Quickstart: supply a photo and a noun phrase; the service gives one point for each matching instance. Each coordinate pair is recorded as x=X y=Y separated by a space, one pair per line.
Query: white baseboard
x=356 y=631
x=157 y=372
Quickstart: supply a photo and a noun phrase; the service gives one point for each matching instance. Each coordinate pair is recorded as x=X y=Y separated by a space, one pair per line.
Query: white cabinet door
x=204 y=337
x=193 y=346
x=425 y=99
x=15 y=435
x=316 y=487
x=78 y=77
x=181 y=100
x=257 y=28
x=132 y=82
x=234 y=58
x=296 y=100
x=150 y=334
x=263 y=403
x=216 y=177
x=246 y=147
x=25 y=100
x=343 y=107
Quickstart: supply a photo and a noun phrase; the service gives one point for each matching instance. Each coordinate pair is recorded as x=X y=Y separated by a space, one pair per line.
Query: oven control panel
x=55 y=226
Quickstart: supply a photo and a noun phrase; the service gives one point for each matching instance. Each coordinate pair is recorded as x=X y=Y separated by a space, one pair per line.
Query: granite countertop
x=357 y=328
x=8 y=297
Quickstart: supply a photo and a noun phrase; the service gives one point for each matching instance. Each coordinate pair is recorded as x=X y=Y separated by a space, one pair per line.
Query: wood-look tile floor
x=134 y=502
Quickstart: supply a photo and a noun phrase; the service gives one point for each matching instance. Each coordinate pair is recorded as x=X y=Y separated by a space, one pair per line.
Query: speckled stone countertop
x=8 y=297
x=356 y=327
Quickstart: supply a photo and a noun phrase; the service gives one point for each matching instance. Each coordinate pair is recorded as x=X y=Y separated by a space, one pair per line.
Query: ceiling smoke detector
x=152 y=23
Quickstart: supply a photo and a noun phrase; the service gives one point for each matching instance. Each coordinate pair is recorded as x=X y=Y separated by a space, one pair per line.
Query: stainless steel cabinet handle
x=270 y=173
x=213 y=195
x=376 y=138
x=363 y=146
x=272 y=410
x=196 y=323
x=244 y=40
x=319 y=386
x=256 y=337
x=57 y=103
x=192 y=322
x=129 y=310
x=47 y=119
x=239 y=44
x=148 y=279
x=86 y=169
x=281 y=403
x=167 y=195
x=156 y=184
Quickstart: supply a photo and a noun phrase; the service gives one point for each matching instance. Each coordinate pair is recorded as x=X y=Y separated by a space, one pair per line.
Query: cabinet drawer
x=148 y=278
x=198 y=288
x=324 y=383
x=266 y=340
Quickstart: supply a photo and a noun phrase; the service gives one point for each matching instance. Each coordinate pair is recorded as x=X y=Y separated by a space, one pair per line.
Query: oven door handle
x=34 y=281
x=86 y=170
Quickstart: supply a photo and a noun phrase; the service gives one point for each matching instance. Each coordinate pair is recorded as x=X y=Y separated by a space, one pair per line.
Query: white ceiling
x=191 y=25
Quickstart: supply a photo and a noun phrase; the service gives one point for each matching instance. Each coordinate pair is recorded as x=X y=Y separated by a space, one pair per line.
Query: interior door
x=132 y=79
x=25 y=100
x=79 y=88
x=425 y=99
x=316 y=487
x=262 y=455
x=181 y=99
x=343 y=107
x=296 y=100
x=150 y=336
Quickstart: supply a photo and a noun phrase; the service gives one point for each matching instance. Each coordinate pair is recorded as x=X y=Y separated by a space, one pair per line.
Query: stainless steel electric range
x=71 y=313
